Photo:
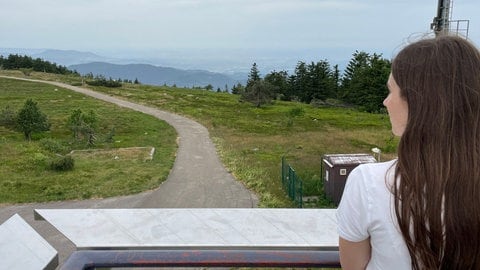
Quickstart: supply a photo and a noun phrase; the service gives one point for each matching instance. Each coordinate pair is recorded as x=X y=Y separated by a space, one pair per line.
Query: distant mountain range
x=87 y=62
x=155 y=75
x=60 y=57
x=69 y=57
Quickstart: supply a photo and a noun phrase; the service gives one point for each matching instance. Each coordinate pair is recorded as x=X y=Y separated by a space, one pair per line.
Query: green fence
x=292 y=184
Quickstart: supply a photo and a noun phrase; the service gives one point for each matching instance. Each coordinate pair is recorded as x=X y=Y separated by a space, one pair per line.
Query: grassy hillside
x=251 y=141
x=25 y=176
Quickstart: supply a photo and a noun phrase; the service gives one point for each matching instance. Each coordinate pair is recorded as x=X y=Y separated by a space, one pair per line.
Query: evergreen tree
x=89 y=76
x=299 y=82
x=259 y=93
x=253 y=76
x=336 y=81
x=291 y=95
x=364 y=82
x=320 y=82
x=238 y=89
x=75 y=123
x=30 y=119
x=359 y=61
x=83 y=124
x=279 y=81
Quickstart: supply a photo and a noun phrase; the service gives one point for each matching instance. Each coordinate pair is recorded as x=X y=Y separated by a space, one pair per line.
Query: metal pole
x=92 y=259
x=440 y=22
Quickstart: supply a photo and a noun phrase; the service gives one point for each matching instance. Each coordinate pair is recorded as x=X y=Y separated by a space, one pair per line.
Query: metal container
x=335 y=170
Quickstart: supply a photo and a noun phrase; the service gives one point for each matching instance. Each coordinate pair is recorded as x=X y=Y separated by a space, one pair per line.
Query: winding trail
x=197 y=180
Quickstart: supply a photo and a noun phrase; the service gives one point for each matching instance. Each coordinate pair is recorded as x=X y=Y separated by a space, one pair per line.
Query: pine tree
x=336 y=81
x=363 y=83
x=259 y=93
x=254 y=76
x=30 y=119
x=359 y=60
x=299 y=83
x=238 y=89
x=279 y=81
x=320 y=81
x=82 y=124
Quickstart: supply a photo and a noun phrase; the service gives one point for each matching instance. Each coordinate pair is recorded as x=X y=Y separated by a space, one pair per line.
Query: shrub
x=26 y=71
x=317 y=103
x=101 y=81
x=52 y=145
x=110 y=135
x=38 y=159
x=8 y=117
x=296 y=112
x=334 y=102
x=61 y=164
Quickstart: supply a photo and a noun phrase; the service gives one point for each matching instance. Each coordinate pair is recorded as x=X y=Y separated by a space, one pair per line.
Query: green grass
x=25 y=176
x=251 y=141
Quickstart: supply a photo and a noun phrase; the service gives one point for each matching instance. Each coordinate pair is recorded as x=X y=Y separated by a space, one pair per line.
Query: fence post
x=291 y=187
x=284 y=175
x=292 y=184
x=299 y=194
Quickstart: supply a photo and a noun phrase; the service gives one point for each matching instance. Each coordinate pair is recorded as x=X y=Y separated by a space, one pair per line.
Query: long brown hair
x=437 y=178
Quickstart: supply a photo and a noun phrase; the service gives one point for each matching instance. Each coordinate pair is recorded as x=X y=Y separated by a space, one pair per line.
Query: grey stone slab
x=21 y=247
x=196 y=228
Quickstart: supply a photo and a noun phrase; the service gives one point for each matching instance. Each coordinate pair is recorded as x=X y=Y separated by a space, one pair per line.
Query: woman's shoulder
x=377 y=167
x=373 y=178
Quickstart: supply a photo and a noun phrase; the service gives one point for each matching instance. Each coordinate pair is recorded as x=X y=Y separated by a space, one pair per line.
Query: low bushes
x=63 y=163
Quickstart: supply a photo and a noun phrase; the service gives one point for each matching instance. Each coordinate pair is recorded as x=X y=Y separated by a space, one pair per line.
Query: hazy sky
x=142 y=27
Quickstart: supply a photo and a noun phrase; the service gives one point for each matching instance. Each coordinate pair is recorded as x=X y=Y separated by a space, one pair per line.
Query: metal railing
x=92 y=259
x=292 y=183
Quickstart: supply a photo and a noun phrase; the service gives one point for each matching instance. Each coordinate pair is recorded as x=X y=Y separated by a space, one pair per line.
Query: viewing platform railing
x=93 y=259
x=191 y=237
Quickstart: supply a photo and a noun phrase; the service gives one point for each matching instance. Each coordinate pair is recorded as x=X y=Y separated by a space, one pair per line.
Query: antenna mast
x=443 y=23
x=440 y=23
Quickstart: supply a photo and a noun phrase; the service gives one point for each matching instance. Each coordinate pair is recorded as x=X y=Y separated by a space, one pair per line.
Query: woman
x=421 y=211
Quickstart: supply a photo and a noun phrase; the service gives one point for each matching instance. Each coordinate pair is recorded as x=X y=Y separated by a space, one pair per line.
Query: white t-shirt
x=367 y=210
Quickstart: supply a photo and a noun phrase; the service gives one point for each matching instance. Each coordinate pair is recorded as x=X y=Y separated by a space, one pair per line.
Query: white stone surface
x=196 y=228
x=21 y=247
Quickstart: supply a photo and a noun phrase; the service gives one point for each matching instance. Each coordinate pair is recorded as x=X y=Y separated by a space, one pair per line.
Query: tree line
x=15 y=61
x=362 y=84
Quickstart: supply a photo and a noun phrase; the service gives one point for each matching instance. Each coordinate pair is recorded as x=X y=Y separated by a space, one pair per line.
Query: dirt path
x=198 y=179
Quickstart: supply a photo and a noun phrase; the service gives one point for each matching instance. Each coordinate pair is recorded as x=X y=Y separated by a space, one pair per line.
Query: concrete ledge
x=21 y=247
x=196 y=228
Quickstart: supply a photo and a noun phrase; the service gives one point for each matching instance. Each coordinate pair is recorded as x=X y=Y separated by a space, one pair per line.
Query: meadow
x=250 y=141
x=25 y=176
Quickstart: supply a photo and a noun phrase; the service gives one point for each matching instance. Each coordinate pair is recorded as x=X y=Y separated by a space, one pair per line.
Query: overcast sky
x=141 y=27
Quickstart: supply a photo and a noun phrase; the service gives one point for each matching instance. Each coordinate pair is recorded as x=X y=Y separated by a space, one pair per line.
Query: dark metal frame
x=91 y=259
x=292 y=183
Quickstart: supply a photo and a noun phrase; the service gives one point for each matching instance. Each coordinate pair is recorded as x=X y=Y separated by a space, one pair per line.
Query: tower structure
x=443 y=23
